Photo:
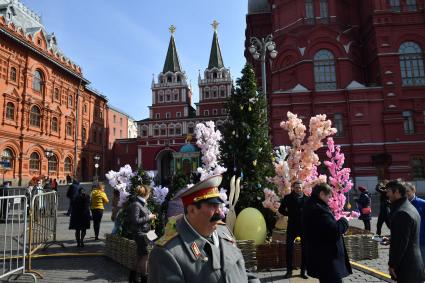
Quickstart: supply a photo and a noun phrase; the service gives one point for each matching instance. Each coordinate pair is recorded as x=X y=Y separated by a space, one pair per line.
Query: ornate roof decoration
x=172 y=61
x=21 y=18
x=216 y=60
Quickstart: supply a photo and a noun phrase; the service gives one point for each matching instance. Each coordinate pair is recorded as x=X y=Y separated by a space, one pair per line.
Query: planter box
x=121 y=250
x=358 y=242
x=248 y=250
x=273 y=255
x=360 y=245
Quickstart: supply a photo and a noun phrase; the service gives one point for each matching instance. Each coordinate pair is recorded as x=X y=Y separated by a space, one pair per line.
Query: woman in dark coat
x=327 y=257
x=363 y=204
x=139 y=219
x=80 y=216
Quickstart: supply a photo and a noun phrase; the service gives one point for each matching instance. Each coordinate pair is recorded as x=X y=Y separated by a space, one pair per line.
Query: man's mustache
x=216 y=217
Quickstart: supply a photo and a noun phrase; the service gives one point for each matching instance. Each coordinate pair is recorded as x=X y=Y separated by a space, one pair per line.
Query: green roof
x=216 y=60
x=172 y=62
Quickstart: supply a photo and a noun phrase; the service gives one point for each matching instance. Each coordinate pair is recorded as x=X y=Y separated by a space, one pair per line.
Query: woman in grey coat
x=139 y=219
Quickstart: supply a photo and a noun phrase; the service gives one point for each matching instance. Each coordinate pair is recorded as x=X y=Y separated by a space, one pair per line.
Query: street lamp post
x=259 y=49
x=96 y=165
x=49 y=154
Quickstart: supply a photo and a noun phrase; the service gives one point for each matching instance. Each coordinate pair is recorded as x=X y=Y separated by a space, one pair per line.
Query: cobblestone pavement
x=79 y=268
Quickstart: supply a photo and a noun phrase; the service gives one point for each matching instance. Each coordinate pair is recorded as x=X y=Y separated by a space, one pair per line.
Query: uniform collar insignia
x=195 y=250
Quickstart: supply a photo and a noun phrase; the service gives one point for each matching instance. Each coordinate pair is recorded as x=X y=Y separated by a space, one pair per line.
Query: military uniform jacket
x=179 y=256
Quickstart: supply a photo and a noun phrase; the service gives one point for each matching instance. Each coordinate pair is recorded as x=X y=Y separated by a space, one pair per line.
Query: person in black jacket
x=80 y=216
x=364 y=206
x=71 y=193
x=292 y=206
x=384 y=207
x=139 y=219
x=327 y=257
x=405 y=261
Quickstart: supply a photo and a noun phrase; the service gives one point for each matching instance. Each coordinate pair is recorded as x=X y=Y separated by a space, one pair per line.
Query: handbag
x=366 y=210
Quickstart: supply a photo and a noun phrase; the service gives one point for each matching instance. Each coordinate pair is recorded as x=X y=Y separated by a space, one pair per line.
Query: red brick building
x=118 y=125
x=45 y=104
x=359 y=62
x=162 y=137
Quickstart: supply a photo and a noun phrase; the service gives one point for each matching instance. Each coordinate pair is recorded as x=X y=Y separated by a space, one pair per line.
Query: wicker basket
x=360 y=245
x=248 y=250
x=273 y=255
x=121 y=250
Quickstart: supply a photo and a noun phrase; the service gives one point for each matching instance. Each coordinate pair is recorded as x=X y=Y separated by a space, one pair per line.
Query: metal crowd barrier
x=43 y=223
x=13 y=236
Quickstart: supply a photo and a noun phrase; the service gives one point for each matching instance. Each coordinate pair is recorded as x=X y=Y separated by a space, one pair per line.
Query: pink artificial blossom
x=339 y=180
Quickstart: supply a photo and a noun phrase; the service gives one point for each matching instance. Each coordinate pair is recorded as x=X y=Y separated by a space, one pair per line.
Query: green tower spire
x=172 y=61
x=216 y=60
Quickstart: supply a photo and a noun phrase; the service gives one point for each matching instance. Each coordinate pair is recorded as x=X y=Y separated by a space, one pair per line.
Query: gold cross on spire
x=172 y=29
x=215 y=24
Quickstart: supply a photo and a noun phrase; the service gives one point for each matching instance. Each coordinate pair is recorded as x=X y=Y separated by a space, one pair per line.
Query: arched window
x=69 y=100
x=53 y=163
x=54 y=124
x=144 y=132
x=395 y=5
x=56 y=94
x=69 y=129
x=190 y=129
x=68 y=165
x=324 y=70
x=178 y=130
x=9 y=157
x=10 y=111
x=171 y=130
x=37 y=83
x=408 y=123
x=411 y=64
x=84 y=135
x=13 y=74
x=35 y=114
x=156 y=130
x=163 y=130
x=34 y=161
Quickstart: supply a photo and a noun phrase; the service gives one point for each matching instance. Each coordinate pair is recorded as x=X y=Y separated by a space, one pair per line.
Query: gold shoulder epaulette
x=166 y=238
x=170 y=232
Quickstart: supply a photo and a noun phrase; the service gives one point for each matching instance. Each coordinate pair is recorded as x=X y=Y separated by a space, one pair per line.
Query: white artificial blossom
x=207 y=139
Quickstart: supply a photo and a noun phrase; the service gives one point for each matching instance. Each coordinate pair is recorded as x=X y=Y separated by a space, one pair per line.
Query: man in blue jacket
x=419 y=204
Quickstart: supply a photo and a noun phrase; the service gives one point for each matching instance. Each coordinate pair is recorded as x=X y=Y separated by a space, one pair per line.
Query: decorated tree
x=245 y=149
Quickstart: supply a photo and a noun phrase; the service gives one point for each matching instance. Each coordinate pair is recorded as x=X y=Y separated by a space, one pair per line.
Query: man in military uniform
x=197 y=246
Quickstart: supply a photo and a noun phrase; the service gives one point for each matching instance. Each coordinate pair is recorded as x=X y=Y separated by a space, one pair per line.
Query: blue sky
x=120 y=44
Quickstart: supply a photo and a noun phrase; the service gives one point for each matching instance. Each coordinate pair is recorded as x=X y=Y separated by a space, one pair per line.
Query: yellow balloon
x=250 y=225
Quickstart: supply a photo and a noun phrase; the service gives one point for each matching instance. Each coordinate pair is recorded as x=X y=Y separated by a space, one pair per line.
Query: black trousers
x=290 y=238
x=366 y=224
x=382 y=218
x=97 y=218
